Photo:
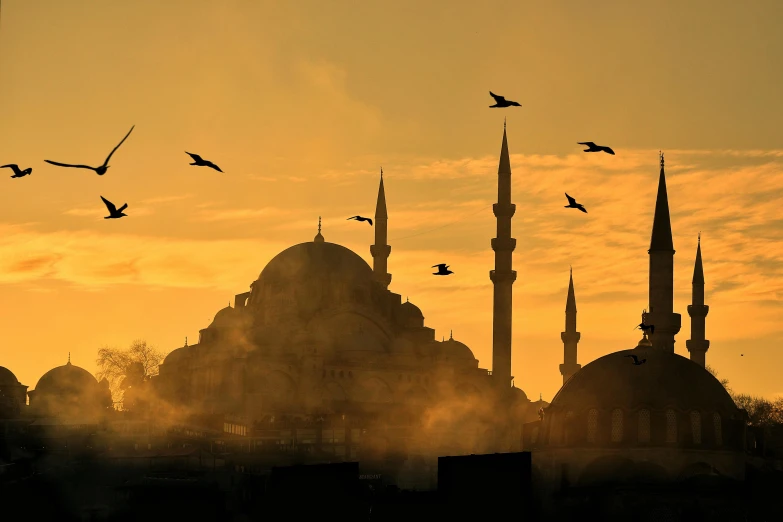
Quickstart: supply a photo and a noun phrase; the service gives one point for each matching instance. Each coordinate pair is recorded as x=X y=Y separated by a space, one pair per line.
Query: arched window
x=644 y=426
x=671 y=426
x=592 y=425
x=617 y=425
x=718 y=429
x=696 y=426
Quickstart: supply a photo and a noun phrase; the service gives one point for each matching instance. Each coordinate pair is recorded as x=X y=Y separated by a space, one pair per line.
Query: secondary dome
x=664 y=380
x=66 y=378
x=455 y=350
x=7 y=377
x=409 y=315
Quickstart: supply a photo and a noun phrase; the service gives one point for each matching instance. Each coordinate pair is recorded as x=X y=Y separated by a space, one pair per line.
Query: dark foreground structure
x=485 y=486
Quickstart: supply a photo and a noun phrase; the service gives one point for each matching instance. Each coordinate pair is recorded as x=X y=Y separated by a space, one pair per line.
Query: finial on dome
x=644 y=341
x=699 y=237
x=504 y=123
x=186 y=341
x=443 y=340
x=451 y=336
x=660 y=154
x=381 y=172
x=406 y=299
x=318 y=237
x=540 y=396
x=69 y=357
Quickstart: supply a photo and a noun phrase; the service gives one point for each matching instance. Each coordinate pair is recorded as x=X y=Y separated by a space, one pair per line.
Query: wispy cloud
x=239 y=214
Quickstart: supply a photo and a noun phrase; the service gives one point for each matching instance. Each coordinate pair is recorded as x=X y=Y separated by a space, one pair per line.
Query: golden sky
x=301 y=102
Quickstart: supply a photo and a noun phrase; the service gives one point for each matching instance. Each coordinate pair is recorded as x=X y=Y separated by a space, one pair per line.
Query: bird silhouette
x=114 y=212
x=18 y=173
x=595 y=148
x=360 y=218
x=573 y=204
x=501 y=102
x=201 y=162
x=103 y=168
x=443 y=269
x=636 y=360
x=645 y=327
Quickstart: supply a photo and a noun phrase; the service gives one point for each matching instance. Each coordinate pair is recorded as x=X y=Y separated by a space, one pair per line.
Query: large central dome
x=313 y=262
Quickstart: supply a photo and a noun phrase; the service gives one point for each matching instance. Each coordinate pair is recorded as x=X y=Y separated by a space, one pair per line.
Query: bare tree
x=129 y=367
x=724 y=382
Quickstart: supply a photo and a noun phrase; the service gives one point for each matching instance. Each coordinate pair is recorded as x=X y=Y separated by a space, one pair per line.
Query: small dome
x=66 y=378
x=409 y=315
x=176 y=356
x=518 y=394
x=455 y=350
x=223 y=317
x=664 y=380
x=7 y=377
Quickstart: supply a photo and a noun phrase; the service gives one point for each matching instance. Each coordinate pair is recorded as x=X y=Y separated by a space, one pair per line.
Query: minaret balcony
x=503 y=277
x=697 y=345
x=504 y=244
x=698 y=310
x=380 y=250
x=504 y=210
x=568 y=337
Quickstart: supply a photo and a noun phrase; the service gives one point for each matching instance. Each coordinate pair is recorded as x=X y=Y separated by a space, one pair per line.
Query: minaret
x=503 y=276
x=697 y=344
x=570 y=337
x=380 y=250
x=661 y=312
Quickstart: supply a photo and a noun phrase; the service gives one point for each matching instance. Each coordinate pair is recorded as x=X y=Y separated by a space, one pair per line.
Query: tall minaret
x=697 y=344
x=661 y=312
x=380 y=250
x=503 y=276
x=570 y=337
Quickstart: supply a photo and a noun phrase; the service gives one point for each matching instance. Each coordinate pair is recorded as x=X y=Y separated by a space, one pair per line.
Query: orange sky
x=301 y=102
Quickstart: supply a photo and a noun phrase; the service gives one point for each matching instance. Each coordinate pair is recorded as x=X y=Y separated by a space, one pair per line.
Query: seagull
x=103 y=168
x=645 y=327
x=114 y=213
x=201 y=162
x=360 y=218
x=573 y=204
x=18 y=173
x=443 y=269
x=636 y=360
x=595 y=148
x=501 y=102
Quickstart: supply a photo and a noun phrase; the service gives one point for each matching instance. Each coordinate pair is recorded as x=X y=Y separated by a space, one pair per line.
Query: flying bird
x=360 y=218
x=103 y=168
x=573 y=204
x=636 y=360
x=500 y=102
x=201 y=162
x=443 y=269
x=114 y=212
x=645 y=327
x=595 y=148
x=18 y=173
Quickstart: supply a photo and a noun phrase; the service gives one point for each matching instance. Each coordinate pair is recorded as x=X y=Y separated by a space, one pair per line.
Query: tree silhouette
x=127 y=368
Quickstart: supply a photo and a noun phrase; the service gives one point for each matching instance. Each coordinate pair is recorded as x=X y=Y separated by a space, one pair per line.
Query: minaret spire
x=570 y=337
x=661 y=314
x=503 y=276
x=697 y=345
x=380 y=250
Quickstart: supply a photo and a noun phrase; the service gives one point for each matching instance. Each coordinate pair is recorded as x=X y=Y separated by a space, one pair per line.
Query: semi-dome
x=316 y=260
x=664 y=380
x=7 y=377
x=65 y=378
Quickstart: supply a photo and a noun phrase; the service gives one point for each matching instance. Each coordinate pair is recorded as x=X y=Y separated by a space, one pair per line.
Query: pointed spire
x=380 y=206
x=451 y=336
x=505 y=162
x=662 y=226
x=698 y=270
x=69 y=357
x=571 y=300
x=318 y=237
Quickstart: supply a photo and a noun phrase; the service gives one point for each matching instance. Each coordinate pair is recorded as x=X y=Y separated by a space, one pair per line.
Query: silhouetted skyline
x=301 y=127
